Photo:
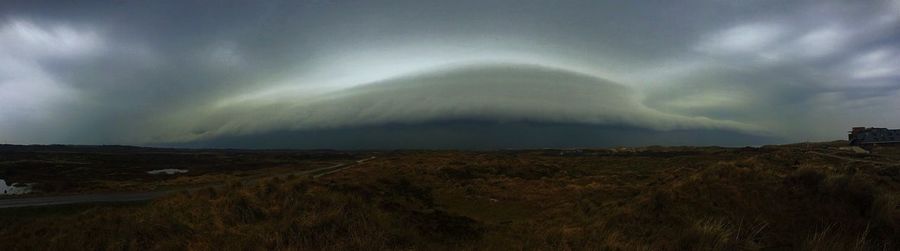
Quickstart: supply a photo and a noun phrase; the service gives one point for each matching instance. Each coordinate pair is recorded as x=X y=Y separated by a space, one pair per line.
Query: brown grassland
x=60 y=169
x=651 y=198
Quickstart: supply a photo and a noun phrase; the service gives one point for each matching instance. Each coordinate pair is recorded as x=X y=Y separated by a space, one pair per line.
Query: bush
x=807 y=178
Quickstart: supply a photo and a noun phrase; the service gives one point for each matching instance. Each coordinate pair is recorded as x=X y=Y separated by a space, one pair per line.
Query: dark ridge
x=483 y=135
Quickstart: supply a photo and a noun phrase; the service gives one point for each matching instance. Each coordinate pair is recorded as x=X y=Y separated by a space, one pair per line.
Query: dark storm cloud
x=476 y=134
x=485 y=92
x=154 y=71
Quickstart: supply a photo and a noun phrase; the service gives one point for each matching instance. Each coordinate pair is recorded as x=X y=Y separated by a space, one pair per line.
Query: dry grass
x=642 y=199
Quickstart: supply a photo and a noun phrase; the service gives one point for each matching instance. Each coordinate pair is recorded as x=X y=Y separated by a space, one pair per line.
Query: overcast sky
x=156 y=72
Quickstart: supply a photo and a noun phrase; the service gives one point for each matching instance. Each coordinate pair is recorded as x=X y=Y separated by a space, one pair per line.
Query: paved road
x=142 y=196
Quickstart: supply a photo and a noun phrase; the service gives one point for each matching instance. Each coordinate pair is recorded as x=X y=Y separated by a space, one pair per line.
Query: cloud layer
x=94 y=72
x=482 y=92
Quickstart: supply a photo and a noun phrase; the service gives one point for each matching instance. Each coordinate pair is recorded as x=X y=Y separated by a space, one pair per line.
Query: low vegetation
x=655 y=198
x=62 y=169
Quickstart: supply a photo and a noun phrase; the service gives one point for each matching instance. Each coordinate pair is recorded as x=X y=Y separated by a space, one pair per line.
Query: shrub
x=807 y=178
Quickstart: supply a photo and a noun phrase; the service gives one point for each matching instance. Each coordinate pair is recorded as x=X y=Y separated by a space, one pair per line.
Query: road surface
x=142 y=196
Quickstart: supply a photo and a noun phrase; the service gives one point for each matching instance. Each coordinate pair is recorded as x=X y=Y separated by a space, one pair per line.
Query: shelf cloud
x=161 y=72
x=481 y=92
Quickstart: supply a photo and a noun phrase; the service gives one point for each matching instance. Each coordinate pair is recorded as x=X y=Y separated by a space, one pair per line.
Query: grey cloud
x=143 y=71
x=767 y=96
x=782 y=71
x=486 y=92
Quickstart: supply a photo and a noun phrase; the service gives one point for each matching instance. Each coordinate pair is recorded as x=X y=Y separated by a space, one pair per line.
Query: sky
x=456 y=74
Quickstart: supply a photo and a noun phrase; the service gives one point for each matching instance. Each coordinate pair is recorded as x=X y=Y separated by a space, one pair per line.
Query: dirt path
x=855 y=159
x=142 y=196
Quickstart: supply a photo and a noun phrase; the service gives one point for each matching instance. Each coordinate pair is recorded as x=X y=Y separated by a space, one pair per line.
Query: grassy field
x=790 y=197
x=82 y=169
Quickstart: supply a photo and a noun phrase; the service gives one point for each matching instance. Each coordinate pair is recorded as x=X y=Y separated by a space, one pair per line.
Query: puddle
x=14 y=188
x=168 y=171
